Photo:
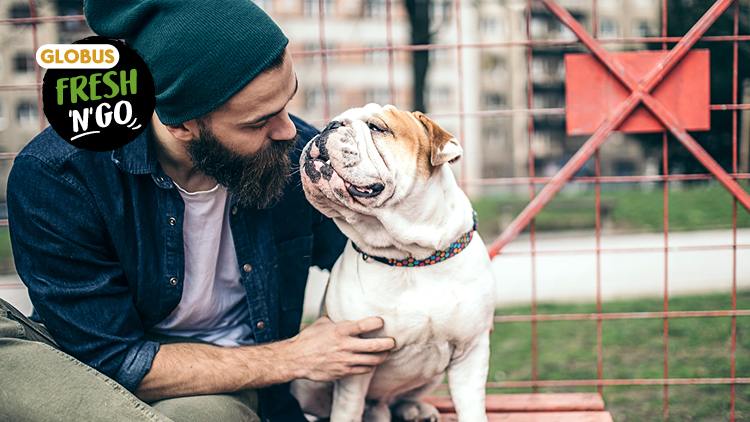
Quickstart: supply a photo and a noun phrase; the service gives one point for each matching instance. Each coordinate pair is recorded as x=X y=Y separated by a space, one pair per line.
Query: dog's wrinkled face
x=371 y=156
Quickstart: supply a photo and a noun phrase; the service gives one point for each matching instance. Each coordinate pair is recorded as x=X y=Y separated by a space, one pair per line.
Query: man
x=175 y=266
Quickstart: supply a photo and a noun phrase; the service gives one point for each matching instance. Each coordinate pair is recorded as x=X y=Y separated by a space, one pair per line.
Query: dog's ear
x=443 y=146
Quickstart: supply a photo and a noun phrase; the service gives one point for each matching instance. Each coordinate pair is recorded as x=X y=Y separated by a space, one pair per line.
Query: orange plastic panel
x=592 y=93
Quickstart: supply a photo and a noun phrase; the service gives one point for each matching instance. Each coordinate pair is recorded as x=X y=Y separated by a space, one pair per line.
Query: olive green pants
x=39 y=382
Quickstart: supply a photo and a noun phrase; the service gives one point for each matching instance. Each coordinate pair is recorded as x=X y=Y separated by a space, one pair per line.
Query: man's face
x=244 y=144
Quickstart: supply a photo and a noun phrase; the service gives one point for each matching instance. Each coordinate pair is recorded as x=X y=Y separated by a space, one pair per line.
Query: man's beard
x=256 y=179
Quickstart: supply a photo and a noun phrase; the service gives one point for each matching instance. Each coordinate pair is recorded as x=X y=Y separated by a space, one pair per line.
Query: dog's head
x=371 y=158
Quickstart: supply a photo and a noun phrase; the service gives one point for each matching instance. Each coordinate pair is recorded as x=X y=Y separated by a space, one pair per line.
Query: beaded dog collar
x=437 y=256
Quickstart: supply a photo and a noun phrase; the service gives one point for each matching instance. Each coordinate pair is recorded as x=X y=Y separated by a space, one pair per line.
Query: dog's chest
x=439 y=305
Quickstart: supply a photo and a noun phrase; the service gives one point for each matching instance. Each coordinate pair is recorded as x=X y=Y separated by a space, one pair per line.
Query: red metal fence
x=640 y=94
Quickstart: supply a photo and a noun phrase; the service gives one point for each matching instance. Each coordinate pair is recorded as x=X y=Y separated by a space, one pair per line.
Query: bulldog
x=413 y=258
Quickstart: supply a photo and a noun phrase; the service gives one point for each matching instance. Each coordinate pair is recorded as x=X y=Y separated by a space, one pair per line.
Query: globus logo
x=98 y=93
x=72 y=56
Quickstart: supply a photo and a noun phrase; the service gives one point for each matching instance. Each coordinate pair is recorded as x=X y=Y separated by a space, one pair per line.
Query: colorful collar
x=437 y=256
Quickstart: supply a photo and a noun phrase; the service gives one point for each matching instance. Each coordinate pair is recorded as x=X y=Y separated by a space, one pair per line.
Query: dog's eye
x=375 y=128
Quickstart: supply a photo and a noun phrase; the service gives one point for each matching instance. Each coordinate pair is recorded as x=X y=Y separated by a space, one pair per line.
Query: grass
x=6 y=253
x=698 y=348
x=693 y=207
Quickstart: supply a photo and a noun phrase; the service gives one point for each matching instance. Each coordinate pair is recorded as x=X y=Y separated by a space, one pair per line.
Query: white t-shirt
x=213 y=307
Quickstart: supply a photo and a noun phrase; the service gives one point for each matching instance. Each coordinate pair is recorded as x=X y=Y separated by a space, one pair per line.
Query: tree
x=419 y=17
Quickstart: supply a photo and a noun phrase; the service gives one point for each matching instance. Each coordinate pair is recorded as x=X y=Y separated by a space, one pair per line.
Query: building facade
x=351 y=55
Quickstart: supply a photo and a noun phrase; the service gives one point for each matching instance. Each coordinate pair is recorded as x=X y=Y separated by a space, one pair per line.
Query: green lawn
x=696 y=207
x=698 y=348
x=6 y=254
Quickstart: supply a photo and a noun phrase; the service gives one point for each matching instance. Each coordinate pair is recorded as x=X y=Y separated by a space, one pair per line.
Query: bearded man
x=168 y=275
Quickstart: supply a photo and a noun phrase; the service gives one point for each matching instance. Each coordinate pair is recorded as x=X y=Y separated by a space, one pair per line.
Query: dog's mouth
x=319 y=154
x=364 y=191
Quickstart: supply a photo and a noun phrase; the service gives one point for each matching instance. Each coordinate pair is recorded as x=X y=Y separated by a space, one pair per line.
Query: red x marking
x=640 y=92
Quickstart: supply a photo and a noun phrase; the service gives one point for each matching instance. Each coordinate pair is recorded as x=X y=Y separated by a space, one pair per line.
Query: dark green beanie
x=200 y=52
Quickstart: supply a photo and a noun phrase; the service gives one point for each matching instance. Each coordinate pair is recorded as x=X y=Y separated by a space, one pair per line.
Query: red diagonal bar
x=638 y=94
x=569 y=169
x=686 y=43
x=655 y=76
x=610 y=62
x=704 y=157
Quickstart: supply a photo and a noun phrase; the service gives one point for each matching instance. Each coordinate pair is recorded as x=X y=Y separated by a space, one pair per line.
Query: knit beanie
x=200 y=52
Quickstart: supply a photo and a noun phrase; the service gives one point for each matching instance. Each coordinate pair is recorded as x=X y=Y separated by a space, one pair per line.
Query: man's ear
x=443 y=146
x=184 y=131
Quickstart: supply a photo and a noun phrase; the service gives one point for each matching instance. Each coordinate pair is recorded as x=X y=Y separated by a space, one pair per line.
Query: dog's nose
x=332 y=125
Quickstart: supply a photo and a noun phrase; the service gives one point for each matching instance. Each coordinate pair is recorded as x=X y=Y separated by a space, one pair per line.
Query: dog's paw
x=414 y=411
x=376 y=412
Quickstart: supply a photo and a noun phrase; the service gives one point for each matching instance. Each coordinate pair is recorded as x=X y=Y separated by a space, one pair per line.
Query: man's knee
x=240 y=406
x=13 y=324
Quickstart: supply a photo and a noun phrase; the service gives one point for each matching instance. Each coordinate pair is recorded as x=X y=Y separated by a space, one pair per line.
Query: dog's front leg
x=349 y=398
x=467 y=376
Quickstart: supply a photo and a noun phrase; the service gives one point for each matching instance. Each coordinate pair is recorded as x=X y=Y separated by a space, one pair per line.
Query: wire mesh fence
x=497 y=82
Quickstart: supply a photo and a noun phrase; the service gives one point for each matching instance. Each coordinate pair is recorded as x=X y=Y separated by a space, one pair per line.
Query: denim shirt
x=97 y=239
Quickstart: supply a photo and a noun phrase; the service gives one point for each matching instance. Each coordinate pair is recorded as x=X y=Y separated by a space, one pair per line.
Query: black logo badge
x=99 y=109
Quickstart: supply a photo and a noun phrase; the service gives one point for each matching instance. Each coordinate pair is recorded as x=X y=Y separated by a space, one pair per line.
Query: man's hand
x=323 y=351
x=326 y=350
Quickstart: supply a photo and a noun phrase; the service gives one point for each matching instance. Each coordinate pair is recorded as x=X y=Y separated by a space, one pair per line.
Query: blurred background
x=642 y=229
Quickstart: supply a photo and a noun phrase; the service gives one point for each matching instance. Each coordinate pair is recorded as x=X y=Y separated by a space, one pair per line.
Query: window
x=264 y=4
x=493 y=101
x=538 y=69
x=437 y=96
x=380 y=96
x=439 y=56
x=607 y=28
x=548 y=100
x=27 y=114
x=3 y=118
x=564 y=33
x=314 y=46
x=439 y=10
x=312 y=7
x=539 y=28
x=24 y=62
x=492 y=62
x=375 y=8
x=378 y=56
x=644 y=3
x=494 y=137
x=490 y=26
x=493 y=27
x=641 y=29
x=314 y=98
x=19 y=11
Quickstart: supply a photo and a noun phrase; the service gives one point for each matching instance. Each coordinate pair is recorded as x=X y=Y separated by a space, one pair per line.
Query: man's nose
x=283 y=128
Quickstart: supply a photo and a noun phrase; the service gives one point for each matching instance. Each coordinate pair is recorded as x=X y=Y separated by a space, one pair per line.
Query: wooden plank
x=540 y=417
x=546 y=402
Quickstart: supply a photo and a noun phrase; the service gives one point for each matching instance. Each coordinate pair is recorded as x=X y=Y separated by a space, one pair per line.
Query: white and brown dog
x=414 y=259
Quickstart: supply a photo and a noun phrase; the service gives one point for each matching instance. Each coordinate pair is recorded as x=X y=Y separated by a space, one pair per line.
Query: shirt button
x=173 y=281
x=261 y=325
x=160 y=179
x=172 y=221
x=234 y=210
x=247 y=268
